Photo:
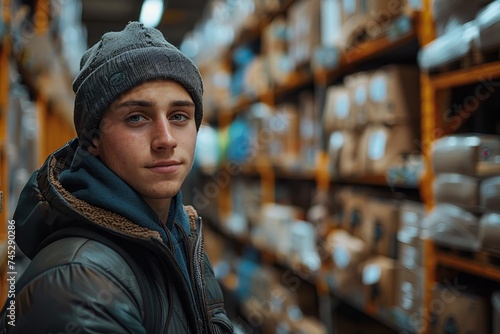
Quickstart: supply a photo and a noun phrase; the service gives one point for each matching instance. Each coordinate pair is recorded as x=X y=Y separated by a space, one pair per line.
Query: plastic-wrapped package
x=468 y=154
x=489 y=231
x=488 y=23
x=450 y=14
x=453 y=227
x=449 y=48
x=457 y=189
x=489 y=194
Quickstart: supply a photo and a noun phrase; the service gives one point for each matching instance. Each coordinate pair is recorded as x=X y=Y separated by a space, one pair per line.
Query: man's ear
x=94 y=148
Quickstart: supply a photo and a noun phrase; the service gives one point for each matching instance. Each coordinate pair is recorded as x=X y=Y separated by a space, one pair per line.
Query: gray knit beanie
x=122 y=60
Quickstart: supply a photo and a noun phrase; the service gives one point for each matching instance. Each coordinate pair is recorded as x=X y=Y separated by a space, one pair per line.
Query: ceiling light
x=151 y=12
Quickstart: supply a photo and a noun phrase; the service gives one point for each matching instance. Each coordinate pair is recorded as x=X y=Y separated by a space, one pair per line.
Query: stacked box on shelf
x=217 y=79
x=257 y=79
x=282 y=231
x=379 y=271
x=379 y=279
x=339 y=127
x=353 y=163
x=347 y=23
x=310 y=129
x=281 y=131
x=461 y=163
x=393 y=113
x=377 y=247
x=368 y=232
x=367 y=20
x=410 y=272
x=328 y=53
x=454 y=310
x=274 y=48
x=242 y=59
x=382 y=221
x=489 y=224
x=373 y=121
x=305 y=31
x=347 y=253
x=271 y=304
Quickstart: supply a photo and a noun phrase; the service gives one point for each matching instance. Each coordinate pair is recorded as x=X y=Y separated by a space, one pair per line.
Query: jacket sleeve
x=76 y=297
x=215 y=302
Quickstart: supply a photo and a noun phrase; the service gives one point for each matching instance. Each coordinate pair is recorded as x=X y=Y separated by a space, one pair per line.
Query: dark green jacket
x=77 y=284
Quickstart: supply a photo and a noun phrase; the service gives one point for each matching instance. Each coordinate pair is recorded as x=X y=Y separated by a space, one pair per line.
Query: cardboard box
x=412 y=214
x=347 y=253
x=386 y=144
x=460 y=312
x=274 y=36
x=344 y=156
x=337 y=114
x=410 y=250
x=469 y=154
x=256 y=79
x=353 y=155
x=353 y=20
x=394 y=95
x=358 y=85
x=457 y=189
x=379 y=279
x=381 y=226
x=303 y=245
x=489 y=194
x=305 y=28
x=331 y=23
x=283 y=136
x=379 y=14
x=368 y=19
x=355 y=213
x=276 y=223
x=410 y=242
x=410 y=296
x=310 y=129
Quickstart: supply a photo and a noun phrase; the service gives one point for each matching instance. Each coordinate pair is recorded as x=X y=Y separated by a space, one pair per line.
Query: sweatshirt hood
x=73 y=188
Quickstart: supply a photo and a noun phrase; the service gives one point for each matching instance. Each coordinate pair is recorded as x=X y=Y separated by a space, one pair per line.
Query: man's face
x=147 y=137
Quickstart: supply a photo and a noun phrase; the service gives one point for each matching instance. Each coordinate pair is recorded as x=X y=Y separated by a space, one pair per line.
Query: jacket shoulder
x=80 y=281
x=64 y=253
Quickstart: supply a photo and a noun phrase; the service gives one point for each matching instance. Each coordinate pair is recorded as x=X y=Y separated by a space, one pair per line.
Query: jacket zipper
x=199 y=302
x=195 y=266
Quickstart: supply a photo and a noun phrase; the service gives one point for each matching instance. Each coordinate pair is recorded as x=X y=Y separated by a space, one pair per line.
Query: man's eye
x=179 y=117
x=135 y=118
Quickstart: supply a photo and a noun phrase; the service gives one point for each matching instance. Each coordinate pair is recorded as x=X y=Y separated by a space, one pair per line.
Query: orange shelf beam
x=362 y=53
x=478 y=74
x=470 y=266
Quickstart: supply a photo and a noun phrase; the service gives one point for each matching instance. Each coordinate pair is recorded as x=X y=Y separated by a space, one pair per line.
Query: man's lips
x=165 y=166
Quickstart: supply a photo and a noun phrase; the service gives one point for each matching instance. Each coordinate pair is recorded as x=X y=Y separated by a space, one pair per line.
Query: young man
x=113 y=249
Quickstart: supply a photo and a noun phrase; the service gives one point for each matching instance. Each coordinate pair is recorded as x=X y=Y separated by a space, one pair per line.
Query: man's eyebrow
x=182 y=103
x=149 y=104
x=135 y=103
